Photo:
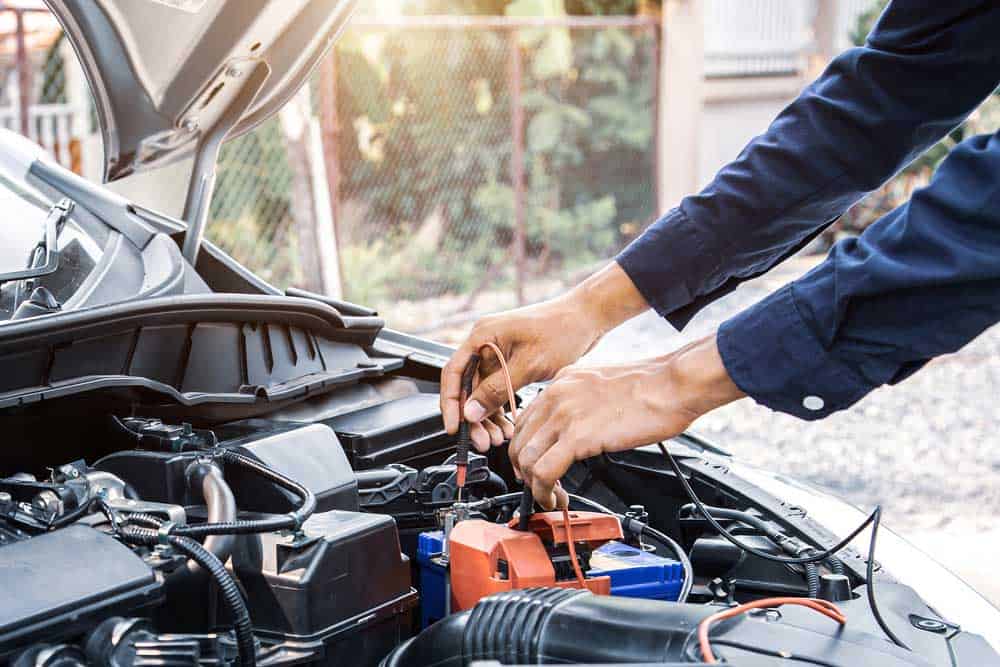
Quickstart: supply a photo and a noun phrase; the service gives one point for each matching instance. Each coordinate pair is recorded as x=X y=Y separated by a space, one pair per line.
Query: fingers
x=493 y=429
x=451 y=384
x=506 y=425
x=480 y=437
x=488 y=397
x=547 y=470
x=530 y=421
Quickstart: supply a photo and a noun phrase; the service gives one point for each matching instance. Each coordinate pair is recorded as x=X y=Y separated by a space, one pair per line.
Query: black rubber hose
x=242 y=625
x=769 y=531
x=291 y=521
x=836 y=565
x=812 y=579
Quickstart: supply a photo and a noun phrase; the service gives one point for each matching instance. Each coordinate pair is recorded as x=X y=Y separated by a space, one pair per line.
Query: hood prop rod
x=202 y=185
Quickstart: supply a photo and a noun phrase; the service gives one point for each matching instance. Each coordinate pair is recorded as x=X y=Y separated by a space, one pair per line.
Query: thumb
x=488 y=396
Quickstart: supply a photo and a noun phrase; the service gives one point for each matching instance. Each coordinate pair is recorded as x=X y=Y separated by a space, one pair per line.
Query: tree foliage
x=427 y=143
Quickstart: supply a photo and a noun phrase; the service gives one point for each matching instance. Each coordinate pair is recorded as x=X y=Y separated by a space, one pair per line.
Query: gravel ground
x=926 y=449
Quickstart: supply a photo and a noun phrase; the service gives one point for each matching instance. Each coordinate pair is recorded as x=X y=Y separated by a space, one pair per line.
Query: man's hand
x=589 y=411
x=537 y=341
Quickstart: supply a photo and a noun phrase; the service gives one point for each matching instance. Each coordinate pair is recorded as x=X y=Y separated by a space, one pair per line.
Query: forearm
x=607 y=299
x=698 y=374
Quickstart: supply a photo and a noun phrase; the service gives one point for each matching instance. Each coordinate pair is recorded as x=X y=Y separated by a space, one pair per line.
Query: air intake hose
x=553 y=625
x=568 y=626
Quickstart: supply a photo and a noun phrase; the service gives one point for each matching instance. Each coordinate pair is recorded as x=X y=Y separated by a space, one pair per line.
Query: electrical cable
x=774 y=654
x=828 y=609
x=291 y=521
x=242 y=626
x=873 y=519
x=870 y=587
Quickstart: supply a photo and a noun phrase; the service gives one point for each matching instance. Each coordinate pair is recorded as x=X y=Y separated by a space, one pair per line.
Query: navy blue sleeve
x=920 y=282
x=926 y=65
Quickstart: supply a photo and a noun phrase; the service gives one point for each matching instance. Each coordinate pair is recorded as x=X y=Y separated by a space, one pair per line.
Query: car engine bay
x=330 y=530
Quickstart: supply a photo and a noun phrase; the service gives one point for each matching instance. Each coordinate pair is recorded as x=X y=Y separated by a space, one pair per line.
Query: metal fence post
x=24 y=75
x=330 y=126
x=656 y=49
x=682 y=91
x=517 y=162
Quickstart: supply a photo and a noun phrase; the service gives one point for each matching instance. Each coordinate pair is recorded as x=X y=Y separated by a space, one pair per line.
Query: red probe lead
x=824 y=607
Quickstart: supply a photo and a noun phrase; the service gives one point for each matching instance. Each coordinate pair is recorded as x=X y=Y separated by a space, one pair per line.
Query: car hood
x=162 y=71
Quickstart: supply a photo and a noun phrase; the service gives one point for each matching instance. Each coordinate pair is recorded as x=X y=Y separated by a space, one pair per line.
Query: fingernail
x=474 y=411
x=481 y=440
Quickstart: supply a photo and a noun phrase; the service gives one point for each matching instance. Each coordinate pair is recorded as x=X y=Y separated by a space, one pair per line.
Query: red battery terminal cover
x=479 y=549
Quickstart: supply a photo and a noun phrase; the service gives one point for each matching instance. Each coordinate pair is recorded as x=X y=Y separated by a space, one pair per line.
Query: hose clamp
x=163 y=533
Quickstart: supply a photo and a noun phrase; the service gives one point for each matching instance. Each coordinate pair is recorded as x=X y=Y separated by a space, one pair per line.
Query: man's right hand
x=538 y=341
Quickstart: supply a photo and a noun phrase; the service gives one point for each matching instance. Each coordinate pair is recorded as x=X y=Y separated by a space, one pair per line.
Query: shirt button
x=814 y=403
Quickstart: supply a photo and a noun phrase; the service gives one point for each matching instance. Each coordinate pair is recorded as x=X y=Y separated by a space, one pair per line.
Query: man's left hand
x=587 y=411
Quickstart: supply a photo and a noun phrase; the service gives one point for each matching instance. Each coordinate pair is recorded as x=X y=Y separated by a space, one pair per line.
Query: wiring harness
x=873 y=520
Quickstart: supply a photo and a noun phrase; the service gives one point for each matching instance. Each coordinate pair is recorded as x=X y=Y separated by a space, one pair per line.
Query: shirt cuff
x=774 y=357
x=670 y=264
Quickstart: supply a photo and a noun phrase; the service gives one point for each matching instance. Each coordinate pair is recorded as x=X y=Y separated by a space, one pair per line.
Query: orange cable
x=512 y=399
x=824 y=607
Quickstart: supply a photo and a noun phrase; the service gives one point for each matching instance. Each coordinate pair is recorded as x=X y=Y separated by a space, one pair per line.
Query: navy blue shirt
x=922 y=281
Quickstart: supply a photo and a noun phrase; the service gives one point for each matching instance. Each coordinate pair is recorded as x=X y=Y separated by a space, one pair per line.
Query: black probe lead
x=464 y=427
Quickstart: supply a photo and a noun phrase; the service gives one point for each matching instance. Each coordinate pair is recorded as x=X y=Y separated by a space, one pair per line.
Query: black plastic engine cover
x=408 y=430
x=311 y=455
x=60 y=583
x=343 y=583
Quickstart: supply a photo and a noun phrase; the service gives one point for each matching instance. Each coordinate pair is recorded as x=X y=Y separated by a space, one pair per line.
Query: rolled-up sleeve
x=924 y=68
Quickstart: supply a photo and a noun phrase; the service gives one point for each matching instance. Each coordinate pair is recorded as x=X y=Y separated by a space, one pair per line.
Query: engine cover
x=58 y=583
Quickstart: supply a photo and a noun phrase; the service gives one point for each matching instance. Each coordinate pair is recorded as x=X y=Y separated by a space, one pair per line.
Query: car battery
x=633 y=572
x=433 y=577
x=636 y=573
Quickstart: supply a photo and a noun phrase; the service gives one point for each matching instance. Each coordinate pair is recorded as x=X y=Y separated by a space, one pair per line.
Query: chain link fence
x=471 y=161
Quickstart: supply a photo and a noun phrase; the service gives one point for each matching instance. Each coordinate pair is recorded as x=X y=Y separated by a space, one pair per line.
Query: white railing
x=54 y=126
x=768 y=37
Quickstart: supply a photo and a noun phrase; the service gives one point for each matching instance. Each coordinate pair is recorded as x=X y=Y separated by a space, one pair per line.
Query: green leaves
x=547 y=128
x=552 y=47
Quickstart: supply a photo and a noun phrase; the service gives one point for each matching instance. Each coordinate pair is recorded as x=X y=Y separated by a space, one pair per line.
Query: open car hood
x=162 y=71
